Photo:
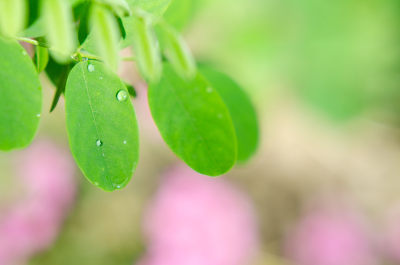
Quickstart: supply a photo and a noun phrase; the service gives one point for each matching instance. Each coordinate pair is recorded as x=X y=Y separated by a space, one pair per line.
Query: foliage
x=203 y=115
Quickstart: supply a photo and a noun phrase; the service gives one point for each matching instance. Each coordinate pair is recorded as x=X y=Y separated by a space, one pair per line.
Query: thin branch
x=33 y=42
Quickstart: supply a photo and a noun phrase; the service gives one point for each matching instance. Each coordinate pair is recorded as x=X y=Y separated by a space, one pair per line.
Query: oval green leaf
x=101 y=125
x=12 y=16
x=177 y=51
x=105 y=34
x=60 y=33
x=145 y=47
x=20 y=97
x=194 y=121
x=241 y=109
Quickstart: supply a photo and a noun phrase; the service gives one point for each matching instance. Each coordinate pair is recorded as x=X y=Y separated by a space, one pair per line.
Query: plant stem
x=33 y=42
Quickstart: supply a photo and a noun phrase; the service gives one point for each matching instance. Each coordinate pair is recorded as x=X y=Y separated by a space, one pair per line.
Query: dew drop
x=209 y=90
x=117 y=186
x=96 y=183
x=122 y=95
x=99 y=143
x=101 y=78
x=124 y=141
x=38 y=115
x=90 y=67
x=24 y=52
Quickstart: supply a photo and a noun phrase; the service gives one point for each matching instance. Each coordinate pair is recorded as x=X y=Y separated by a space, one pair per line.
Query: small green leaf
x=105 y=33
x=176 y=51
x=194 y=122
x=155 y=7
x=131 y=89
x=12 y=16
x=120 y=7
x=241 y=109
x=20 y=97
x=58 y=74
x=58 y=19
x=145 y=46
x=82 y=14
x=41 y=58
x=180 y=12
x=37 y=29
x=101 y=125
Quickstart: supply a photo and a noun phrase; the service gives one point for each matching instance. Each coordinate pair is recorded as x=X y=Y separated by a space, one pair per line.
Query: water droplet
x=96 y=183
x=122 y=95
x=124 y=141
x=84 y=59
x=90 y=67
x=101 y=78
x=99 y=143
x=38 y=115
x=24 y=52
x=209 y=90
x=117 y=186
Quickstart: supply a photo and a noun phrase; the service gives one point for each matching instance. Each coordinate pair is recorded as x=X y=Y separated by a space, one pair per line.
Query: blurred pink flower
x=198 y=220
x=330 y=236
x=32 y=224
x=391 y=236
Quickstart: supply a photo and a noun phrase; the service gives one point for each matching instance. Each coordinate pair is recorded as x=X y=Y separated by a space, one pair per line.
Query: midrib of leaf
x=95 y=125
x=200 y=136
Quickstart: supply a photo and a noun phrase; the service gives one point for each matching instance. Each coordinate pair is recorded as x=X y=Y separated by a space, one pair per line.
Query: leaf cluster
x=203 y=115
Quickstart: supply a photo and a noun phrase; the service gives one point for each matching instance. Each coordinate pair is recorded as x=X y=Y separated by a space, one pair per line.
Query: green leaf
x=58 y=74
x=37 y=29
x=180 y=12
x=155 y=7
x=145 y=46
x=120 y=7
x=102 y=130
x=58 y=19
x=12 y=16
x=105 y=33
x=41 y=58
x=20 y=97
x=194 y=122
x=176 y=51
x=241 y=109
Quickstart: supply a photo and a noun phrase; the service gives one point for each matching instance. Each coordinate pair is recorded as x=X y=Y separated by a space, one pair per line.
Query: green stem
x=33 y=42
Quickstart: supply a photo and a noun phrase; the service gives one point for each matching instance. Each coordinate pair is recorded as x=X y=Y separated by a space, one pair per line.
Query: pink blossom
x=330 y=236
x=391 y=236
x=32 y=224
x=198 y=220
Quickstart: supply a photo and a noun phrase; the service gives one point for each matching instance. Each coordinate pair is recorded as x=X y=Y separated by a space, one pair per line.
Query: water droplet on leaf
x=99 y=143
x=122 y=95
x=90 y=67
x=38 y=115
x=117 y=186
